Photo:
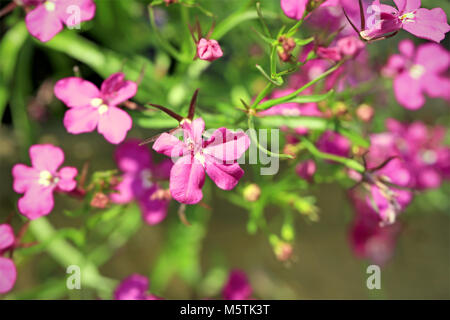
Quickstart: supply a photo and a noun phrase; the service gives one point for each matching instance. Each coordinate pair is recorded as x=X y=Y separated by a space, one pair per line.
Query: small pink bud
x=252 y=192
x=306 y=169
x=209 y=50
x=283 y=251
x=365 y=113
x=100 y=200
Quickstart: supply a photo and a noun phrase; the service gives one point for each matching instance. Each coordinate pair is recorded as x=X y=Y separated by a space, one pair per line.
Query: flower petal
x=67 y=11
x=153 y=211
x=132 y=288
x=186 y=180
x=124 y=190
x=37 y=202
x=24 y=177
x=43 y=24
x=294 y=9
x=114 y=125
x=405 y=6
x=131 y=157
x=426 y=57
x=76 y=92
x=225 y=176
x=8 y=275
x=116 y=90
x=428 y=24
x=408 y=91
x=6 y=236
x=46 y=157
x=80 y=120
x=227 y=145
x=67 y=178
x=170 y=146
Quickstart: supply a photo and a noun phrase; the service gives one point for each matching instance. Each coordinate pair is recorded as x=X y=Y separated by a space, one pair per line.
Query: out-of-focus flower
x=419 y=72
x=140 y=180
x=306 y=169
x=334 y=143
x=370 y=240
x=295 y=9
x=287 y=45
x=217 y=156
x=8 y=272
x=252 y=192
x=237 y=286
x=49 y=16
x=365 y=113
x=209 y=49
x=90 y=108
x=40 y=181
x=134 y=287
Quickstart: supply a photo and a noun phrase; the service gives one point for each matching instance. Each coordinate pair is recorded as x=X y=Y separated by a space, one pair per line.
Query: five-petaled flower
x=92 y=108
x=48 y=17
x=139 y=180
x=417 y=72
x=8 y=272
x=217 y=156
x=39 y=181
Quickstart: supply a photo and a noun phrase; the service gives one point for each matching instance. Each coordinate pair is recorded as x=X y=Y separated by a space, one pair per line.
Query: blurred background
x=193 y=262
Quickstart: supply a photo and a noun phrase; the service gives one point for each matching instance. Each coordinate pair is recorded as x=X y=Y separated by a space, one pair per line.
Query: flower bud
x=306 y=169
x=100 y=200
x=208 y=50
x=349 y=46
x=252 y=192
x=365 y=113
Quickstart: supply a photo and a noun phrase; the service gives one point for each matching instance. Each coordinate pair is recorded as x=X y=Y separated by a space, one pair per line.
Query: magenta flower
x=295 y=9
x=237 y=286
x=306 y=169
x=368 y=239
x=49 y=16
x=40 y=181
x=217 y=156
x=134 y=287
x=90 y=108
x=209 y=49
x=139 y=180
x=334 y=143
x=419 y=72
x=8 y=272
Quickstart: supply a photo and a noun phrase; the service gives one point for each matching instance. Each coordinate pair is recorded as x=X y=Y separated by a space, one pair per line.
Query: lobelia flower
x=91 y=108
x=139 y=180
x=237 y=286
x=134 y=287
x=368 y=239
x=295 y=9
x=49 y=16
x=306 y=170
x=209 y=50
x=39 y=181
x=419 y=72
x=217 y=156
x=334 y=143
x=8 y=272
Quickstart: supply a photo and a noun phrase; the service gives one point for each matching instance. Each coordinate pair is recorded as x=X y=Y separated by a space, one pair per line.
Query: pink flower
x=90 y=108
x=368 y=239
x=419 y=72
x=217 y=156
x=306 y=169
x=7 y=238
x=295 y=9
x=140 y=176
x=134 y=287
x=47 y=19
x=208 y=49
x=334 y=143
x=349 y=46
x=237 y=286
x=39 y=181
x=8 y=275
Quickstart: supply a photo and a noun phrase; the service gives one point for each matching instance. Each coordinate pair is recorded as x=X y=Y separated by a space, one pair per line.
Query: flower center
x=200 y=157
x=146 y=178
x=46 y=178
x=98 y=103
x=49 y=5
x=407 y=17
x=416 y=71
x=429 y=157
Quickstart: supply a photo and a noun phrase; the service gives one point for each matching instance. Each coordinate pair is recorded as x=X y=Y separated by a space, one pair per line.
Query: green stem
x=350 y=163
x=65 y=254
x=287 y=98
x=267 y=89
x=254 y=140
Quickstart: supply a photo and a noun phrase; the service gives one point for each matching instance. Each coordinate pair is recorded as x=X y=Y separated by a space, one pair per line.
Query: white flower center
x=416 y=71
x=200 y=157
x=429 y=157
x=49 y=5
x=46 y=178
x=407 y=17
x=98 y=103
x=146 y=178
